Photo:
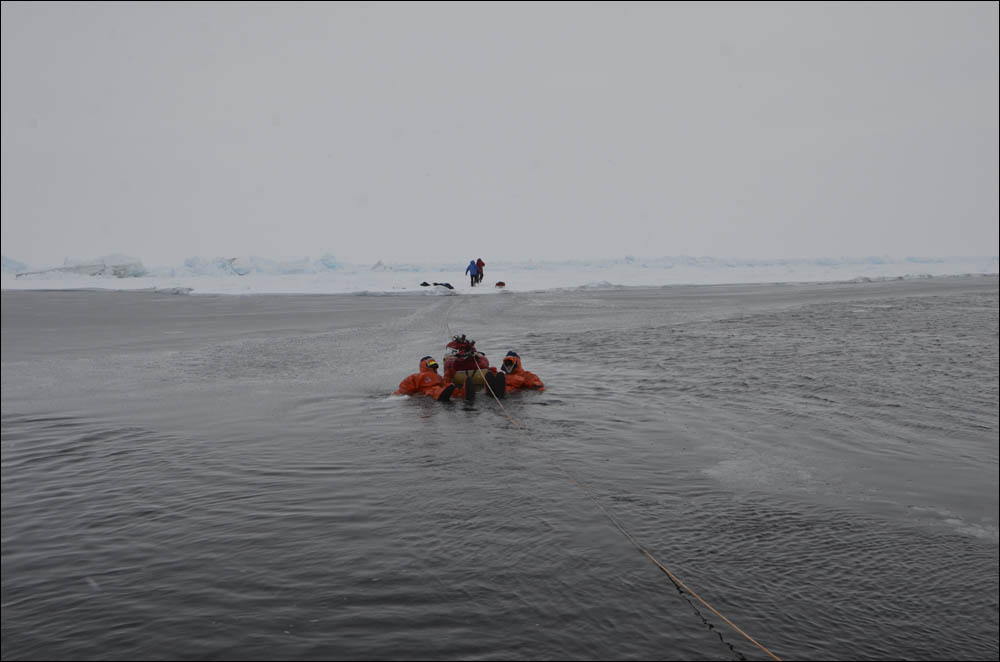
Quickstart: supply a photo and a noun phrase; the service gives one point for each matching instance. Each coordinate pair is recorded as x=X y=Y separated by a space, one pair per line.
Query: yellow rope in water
x=486 y=381
x=673 y=578
x=677 y=582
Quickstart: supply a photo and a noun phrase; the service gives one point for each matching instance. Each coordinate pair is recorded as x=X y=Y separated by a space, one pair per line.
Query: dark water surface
x=213 y=477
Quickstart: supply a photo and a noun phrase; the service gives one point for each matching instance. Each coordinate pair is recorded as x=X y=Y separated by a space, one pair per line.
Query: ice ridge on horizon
x=124 y=267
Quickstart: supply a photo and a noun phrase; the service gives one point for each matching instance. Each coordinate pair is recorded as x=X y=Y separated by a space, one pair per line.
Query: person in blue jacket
x=473 y=272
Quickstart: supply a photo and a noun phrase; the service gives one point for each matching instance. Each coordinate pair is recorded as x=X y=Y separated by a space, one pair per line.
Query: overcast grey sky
x=432 y=131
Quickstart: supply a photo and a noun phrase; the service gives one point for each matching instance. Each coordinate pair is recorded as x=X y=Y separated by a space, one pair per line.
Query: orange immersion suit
x=425 y=382
x=518 y=377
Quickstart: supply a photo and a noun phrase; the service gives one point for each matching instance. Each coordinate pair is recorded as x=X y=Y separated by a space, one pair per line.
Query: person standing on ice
x=473 y=272
x=480 y=264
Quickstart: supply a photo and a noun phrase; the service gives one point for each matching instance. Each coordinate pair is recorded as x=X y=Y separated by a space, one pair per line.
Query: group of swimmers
x=466 y=372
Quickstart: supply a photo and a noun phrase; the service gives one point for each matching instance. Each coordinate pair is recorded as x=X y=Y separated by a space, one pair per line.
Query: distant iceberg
x=9 y=266
x=216 y=267
x=242 y=266
x=116 y=269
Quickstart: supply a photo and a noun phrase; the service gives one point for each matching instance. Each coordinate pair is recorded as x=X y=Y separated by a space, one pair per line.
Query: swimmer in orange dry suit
x=426 y=382
x=517 y=376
